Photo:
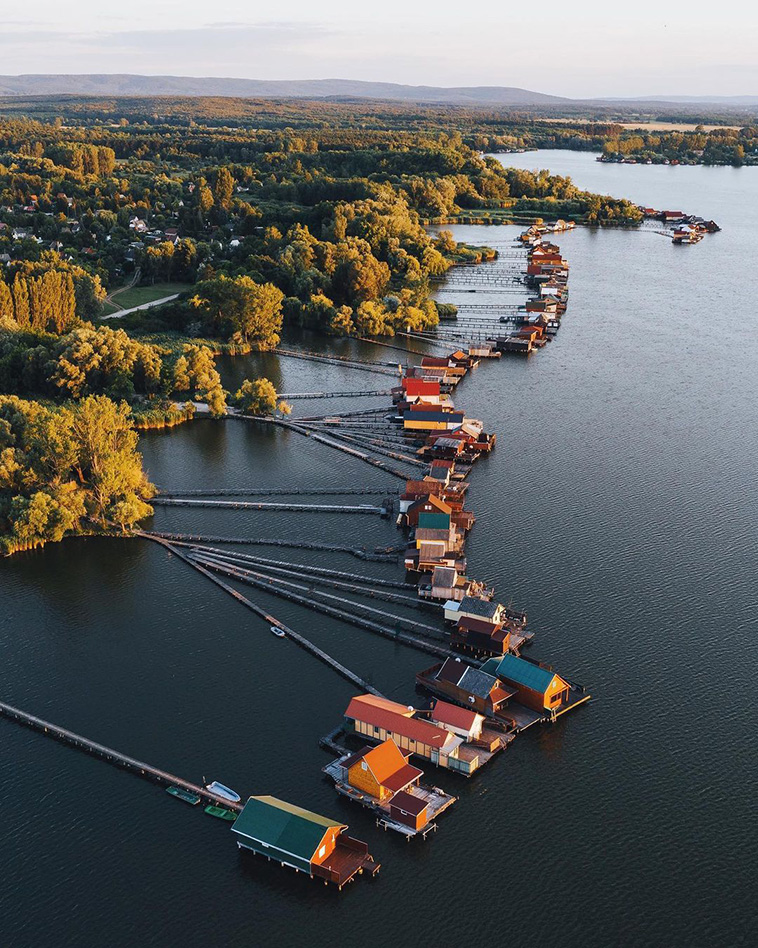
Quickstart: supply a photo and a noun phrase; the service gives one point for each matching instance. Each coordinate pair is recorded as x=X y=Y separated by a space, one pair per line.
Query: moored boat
x=192 y=798
x=221 y=813
x=219 y=790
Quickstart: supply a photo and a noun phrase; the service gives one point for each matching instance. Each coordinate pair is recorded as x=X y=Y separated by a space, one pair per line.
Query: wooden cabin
x=474 y=608
x=410 y=810
x=481 y=636
x=301 y=839
x=461 y=721
x=430 y=505
x=380 y=771
x=467 y=685
x=379 y=719
x=445 y=584
x=535 y=687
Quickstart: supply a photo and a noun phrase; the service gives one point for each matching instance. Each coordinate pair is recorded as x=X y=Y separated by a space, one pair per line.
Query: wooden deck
x=349 y=859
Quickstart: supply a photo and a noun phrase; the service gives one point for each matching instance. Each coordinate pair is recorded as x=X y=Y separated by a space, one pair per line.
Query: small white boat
x=221 y=791
x=278 y=632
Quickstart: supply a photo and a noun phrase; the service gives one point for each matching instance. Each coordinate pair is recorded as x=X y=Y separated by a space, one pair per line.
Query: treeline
x=66 y=470
x=722 y=146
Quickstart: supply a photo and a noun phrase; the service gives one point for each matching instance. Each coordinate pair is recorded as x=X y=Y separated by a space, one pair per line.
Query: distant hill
x=133 y=85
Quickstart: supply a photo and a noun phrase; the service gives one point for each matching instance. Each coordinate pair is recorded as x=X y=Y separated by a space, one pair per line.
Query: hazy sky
x=571 y=47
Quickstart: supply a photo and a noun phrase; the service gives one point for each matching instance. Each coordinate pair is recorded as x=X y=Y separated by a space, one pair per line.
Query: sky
x=575 y=48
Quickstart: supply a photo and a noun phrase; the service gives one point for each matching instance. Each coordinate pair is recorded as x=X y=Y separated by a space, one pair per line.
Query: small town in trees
x=280 y=220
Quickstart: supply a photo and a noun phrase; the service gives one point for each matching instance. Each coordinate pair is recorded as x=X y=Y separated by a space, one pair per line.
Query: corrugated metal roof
x=282 y=825
x=511 y=668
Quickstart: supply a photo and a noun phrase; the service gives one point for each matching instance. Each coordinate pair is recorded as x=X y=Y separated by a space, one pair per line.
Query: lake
x=618 y=509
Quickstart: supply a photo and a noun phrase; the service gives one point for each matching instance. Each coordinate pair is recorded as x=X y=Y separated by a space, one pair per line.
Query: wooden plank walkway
x=293 y=396
x=377 y=368
x=138 y=767
x=263 y=505
x=267 y=585
x=296 y=637
x=361 y=455
x=304 y=594
x=388 y=554
x=281 y=492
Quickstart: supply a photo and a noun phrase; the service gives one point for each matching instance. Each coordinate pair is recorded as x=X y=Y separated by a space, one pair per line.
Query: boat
x=192 y=798
x=220 y=813
x=219 y=790
x=280 y=633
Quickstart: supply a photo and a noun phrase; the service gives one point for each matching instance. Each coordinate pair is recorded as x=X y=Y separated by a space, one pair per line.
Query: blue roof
x=524 y=673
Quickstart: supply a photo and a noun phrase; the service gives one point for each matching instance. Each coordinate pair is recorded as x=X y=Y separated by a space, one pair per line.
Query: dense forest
x=313 y=223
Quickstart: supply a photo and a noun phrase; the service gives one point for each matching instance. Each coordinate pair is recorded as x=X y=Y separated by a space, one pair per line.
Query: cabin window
x=364 y=765
x=556 y=698
x=322 y=852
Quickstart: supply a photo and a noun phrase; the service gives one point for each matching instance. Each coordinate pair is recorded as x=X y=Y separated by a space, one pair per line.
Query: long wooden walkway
x=306 y=598
x=296 y=637
x=138 y=767
x=388 y=554
x=263 y=505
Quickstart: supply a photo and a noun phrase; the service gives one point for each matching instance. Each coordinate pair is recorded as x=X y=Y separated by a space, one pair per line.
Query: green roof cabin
x=536 y=687
x=302 y=840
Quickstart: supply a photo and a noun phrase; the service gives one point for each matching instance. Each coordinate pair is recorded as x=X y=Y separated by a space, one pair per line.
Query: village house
x=474 y=608
x=445 y=583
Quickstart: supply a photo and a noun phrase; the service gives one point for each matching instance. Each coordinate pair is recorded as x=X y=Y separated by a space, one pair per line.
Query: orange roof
x=385 y=760
x=390 y=767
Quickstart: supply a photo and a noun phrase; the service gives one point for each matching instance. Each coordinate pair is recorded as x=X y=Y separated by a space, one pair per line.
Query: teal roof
x=436 y=521
x=523 y=673
x=490 y=666
x=283 y=825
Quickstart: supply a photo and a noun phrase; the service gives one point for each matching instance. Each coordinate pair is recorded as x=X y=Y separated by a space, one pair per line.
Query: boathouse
x=472 y=687
x=474 y=608
x=380 y=771
x=461 y=721
x=301 y=839
x=481 y=636
x=535 y=687
x=379 y=719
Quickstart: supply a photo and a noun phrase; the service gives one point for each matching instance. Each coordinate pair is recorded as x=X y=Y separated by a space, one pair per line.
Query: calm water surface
x=619 y=509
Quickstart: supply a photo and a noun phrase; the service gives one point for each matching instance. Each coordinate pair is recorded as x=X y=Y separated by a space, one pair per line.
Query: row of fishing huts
x=480 y=696
x=484 y=692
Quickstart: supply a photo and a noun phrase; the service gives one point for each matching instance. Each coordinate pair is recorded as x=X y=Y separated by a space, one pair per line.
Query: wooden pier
x=388 y=554
x=278 y=492
x=305 y=595
x=263 y=505
x=291 y=634
x=376 y=367
x=293 y=396
x=138 y=767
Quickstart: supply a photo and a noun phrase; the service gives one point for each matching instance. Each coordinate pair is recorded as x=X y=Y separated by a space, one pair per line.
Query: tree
x=108 y=461
x=223 y=188
x=259 y=397
x=198 y=373
x=241 y=310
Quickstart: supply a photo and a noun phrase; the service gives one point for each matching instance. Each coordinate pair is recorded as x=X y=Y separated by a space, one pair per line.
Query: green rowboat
x=221 y=813
x=192 y=798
